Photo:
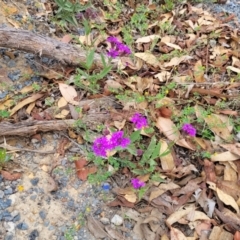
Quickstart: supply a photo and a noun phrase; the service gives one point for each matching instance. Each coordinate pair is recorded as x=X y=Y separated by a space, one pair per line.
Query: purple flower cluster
x=117 y=48
x=189 y=129
x=137 y=183
x=139 y=121
x=103 y=144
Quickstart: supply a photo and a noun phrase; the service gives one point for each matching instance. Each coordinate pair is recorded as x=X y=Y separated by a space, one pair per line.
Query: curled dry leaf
x=82 y=170
x=96 y=227
x=167 y=161
x=148 y=39
x=224 y=197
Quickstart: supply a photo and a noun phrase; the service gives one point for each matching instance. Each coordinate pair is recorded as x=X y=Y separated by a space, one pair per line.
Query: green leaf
x=135 y=136
x=148 y=153
x=90 y=58
x=156 y=151
x=132 y=149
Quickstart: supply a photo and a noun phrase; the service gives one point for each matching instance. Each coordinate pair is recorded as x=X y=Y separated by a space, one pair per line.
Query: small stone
x=6 y=216
x=117 y=220
x=33 y=235
x=34 y=181
x=42 y=214
x=8 y=191
x=106 y=187
x=9 y=236
x=12 y=198
x=46 y=223
x=33 y=197
x=14 y=76
x=5 y=204
x=104 y=220
x=51 y=228
x=1 y=194
x=22 y=226
x=11 y=64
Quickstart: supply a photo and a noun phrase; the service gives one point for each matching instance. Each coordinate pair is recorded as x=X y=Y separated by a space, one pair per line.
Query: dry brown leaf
x=229 y=173
x=96 y=227
x=115 y=234
x=69 y=93
x=148 y=39
x=225 y=156
x=163 y=76
x=62 y=102
x=162 y=189
x=215 y=123
x=233 y=148
x=111 y=84
x=167 y=161
x=168 y=128
x=149 y=58
x=62 y=114
x=224 y=197
x=183 y=211
x=176 y=61
x=30 y=107
x=177 y=234
x=132 y=198
x=25 y=102
x=198 y=72
x=234 y=69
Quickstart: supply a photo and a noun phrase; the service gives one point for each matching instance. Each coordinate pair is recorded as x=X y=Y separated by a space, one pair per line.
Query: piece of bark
x=28 y=41
x=28 y=128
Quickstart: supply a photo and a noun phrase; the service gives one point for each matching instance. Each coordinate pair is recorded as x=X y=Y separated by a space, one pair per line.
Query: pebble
x=11 y=64
x=22 y=226
x=117 y=220
x=34 y=181
x=33 y=235
x=42 y=214
x=9 y=226
x=8 y=191
x=1 y=194
x=104 y=220
x=5 y=204
x=14 y=76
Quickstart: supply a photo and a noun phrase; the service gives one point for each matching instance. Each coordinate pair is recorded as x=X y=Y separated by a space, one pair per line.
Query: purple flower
x=189 y=129
x=124 y=49
x=113 y=40
x=139 y=121
x=100 y=146
x=117 y=140
x=137 y=183
x=113 y=53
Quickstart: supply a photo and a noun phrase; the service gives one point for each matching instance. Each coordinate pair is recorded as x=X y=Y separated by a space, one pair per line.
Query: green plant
x=36 y=87
x=67 y=10
x=87 y=79
x=4 y=157
x=4 y=114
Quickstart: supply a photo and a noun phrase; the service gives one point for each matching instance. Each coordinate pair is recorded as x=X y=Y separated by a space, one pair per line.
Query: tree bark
x=28 y=41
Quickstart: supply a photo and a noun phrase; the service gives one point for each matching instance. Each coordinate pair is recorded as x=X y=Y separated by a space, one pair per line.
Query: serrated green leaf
x=156 y=151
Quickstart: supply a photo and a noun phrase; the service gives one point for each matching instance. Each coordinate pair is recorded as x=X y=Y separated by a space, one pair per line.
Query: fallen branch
x=44 y=46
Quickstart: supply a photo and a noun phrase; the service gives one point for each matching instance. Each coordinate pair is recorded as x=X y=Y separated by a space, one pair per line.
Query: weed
x=4 y=157
x=4 y=114
x=67 y=11
x=36 y=87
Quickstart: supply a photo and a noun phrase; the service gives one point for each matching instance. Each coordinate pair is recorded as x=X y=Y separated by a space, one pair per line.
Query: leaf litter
x=196 y=193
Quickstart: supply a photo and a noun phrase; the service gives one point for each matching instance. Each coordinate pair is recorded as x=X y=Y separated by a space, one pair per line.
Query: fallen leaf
x=62 y=102
x=167 y=161
x=198 y=71
x=96 y=227
x=225 y=156
x=82 y=170
x=26 y=101
x=69 y=93
x=149 y=58
x=176 y=234
x=224 y=197
x=176 y=61
x=148 y=39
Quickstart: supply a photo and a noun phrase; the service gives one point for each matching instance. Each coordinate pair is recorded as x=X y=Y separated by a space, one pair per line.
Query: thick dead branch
x=28 y=128
x=44 y=46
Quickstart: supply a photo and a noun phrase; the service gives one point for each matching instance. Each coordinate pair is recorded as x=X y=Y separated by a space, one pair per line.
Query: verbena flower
x=100 y=146
x=118 y=140
x=117 y=48
x=113 y=53
x=139 y=121
x=137 y=183
x=189 y=129
x=112 y=39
